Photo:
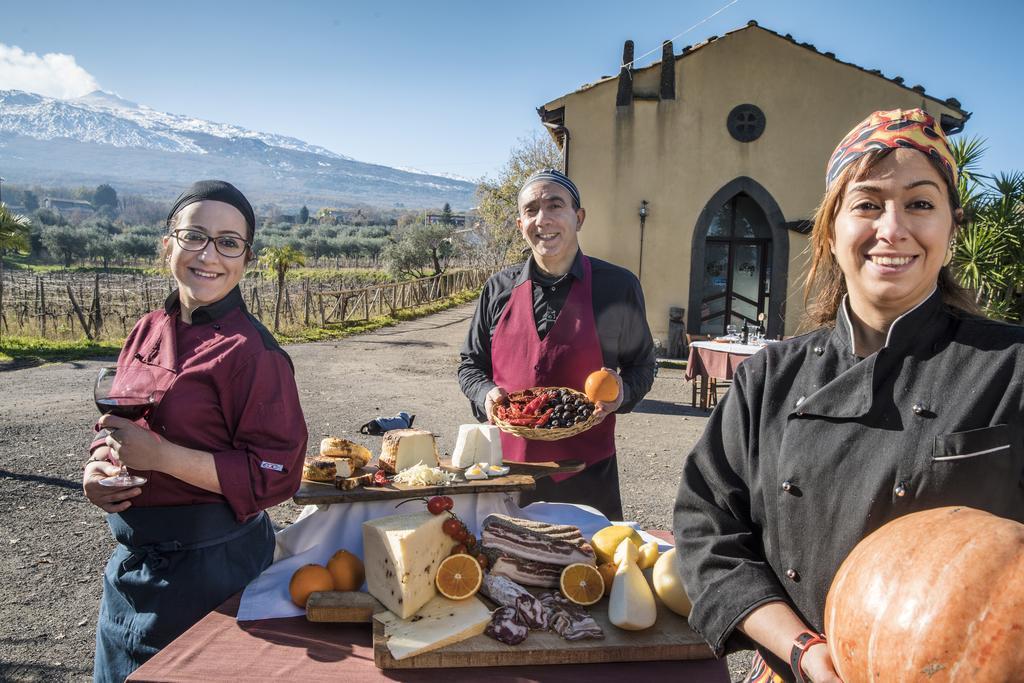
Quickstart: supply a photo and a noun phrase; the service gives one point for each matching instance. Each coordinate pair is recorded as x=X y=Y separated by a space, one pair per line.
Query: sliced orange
x=582 y=583
x=459 y=577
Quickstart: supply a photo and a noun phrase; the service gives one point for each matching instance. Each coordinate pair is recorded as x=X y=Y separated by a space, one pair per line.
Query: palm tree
x=14 y=236
x=989 y=253
x=280 y=259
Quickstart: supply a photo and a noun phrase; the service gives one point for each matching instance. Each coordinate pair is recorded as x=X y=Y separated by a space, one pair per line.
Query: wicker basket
x=544 y=434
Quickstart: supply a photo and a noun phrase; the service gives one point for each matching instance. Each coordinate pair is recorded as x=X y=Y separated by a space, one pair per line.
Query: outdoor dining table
x=716 y=359
x=220 y=648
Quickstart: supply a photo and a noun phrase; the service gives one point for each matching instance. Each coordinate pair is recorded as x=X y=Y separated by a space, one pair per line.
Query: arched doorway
x=740 y=261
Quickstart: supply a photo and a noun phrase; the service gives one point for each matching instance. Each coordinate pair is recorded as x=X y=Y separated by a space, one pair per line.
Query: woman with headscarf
x=225 y=441
x=903 y=399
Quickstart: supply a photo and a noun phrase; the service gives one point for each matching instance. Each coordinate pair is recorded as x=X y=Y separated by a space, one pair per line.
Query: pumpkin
x=933 y=596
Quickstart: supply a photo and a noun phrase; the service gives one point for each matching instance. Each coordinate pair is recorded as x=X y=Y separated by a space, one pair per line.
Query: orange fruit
x=459 y=577
x=582 y=583
x=347 y=571
x=607 y=572
x=308 y=579
x=601 y=386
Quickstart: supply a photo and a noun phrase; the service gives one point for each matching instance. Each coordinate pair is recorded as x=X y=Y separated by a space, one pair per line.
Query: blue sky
x=450 y=86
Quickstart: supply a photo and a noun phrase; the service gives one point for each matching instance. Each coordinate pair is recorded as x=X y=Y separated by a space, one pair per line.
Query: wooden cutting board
x=670 y=638
x=342 y=607
x=521 y=477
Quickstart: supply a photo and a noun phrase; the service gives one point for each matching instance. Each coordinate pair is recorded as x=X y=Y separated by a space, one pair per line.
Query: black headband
x=218 y=191
x=550 y=175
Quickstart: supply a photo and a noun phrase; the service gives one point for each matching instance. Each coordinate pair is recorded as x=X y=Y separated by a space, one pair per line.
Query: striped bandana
x=913 y=128
x=550 y=175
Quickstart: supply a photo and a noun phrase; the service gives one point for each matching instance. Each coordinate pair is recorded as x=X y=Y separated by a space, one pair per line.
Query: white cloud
x=54 y=74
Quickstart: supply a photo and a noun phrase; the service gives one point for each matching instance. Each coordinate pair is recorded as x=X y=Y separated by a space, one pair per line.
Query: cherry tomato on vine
x=452 y=527
x=436 y=505
x=448 y=502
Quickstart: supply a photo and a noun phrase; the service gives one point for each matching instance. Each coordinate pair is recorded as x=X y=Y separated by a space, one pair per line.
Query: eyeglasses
x=193 y=240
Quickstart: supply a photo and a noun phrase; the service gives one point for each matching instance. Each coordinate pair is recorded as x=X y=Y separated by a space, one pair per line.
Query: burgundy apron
x=570 y=351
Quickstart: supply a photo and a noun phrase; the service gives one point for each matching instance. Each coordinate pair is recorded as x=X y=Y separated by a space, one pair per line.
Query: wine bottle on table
x=746 y=332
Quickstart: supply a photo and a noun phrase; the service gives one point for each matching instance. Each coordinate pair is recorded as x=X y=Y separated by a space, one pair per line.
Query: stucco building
x=723 y=146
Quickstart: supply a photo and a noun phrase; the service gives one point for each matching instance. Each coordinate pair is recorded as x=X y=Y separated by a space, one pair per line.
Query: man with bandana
x=551 y=321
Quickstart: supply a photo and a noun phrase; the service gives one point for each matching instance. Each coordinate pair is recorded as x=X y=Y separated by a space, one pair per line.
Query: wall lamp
x=643 y=222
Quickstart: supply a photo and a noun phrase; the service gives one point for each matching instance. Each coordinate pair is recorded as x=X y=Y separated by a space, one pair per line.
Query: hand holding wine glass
x=127 y=402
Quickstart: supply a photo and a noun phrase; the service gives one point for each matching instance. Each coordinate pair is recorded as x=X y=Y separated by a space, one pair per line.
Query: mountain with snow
x=103 y=138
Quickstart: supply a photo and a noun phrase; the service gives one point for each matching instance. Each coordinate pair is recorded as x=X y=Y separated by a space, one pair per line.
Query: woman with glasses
x=225 y=441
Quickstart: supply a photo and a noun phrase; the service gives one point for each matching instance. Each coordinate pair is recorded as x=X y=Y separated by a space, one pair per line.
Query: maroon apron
x=569 y=352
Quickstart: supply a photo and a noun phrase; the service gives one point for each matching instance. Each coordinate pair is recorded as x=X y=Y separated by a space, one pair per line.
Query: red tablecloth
x=219 y=648
x=715 y=362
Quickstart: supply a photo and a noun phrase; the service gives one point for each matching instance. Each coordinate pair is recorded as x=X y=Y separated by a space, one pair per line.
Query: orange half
x=459 y=577
x=582 y=583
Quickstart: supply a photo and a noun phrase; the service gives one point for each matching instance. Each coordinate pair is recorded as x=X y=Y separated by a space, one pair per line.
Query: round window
x=746 y=122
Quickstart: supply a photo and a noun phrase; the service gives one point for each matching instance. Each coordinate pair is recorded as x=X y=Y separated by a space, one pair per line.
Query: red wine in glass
x=131 y=405
x=128 y=407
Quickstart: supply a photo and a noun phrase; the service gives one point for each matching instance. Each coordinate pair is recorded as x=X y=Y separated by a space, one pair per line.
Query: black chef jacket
x=813 y=448
x=619 y=313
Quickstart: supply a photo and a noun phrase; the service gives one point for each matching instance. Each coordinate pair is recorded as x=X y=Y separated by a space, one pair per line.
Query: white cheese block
x=477 y=443
x=441 y=622
x=344 y=467
x=405 y=448
x=401 y=554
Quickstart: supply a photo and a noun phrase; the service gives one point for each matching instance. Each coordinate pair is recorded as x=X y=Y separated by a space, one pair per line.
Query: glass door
x=737 y=267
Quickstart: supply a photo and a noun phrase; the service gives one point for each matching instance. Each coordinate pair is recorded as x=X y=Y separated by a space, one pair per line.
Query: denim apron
x=172 y=566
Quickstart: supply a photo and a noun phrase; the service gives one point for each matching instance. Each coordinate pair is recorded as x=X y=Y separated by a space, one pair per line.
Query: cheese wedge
x=405 y=448
x=401 y=554
x=439 y=623
x=335 y=447
x=477 y=443
x=631 y=604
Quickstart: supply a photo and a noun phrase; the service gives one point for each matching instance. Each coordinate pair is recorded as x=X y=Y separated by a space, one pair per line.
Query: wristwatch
x=800 y=646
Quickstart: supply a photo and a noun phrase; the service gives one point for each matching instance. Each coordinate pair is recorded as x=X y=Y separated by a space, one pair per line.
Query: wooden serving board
x=342 y=607
x=670 y=638
x=521 y=477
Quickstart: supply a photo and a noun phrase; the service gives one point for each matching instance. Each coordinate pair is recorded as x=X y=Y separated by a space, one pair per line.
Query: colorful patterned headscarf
x=913 y=128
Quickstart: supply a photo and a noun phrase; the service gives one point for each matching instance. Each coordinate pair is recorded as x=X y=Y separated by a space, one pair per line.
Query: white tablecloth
x=741 y=349
x=321 y=531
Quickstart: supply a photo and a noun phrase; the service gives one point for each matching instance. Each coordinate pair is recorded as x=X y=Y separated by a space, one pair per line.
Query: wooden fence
x=61 y=305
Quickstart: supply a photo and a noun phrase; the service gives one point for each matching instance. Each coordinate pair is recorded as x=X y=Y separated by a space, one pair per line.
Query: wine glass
x=127 y=402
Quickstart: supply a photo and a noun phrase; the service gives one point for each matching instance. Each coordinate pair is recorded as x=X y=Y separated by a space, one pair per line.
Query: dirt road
x=57 y=543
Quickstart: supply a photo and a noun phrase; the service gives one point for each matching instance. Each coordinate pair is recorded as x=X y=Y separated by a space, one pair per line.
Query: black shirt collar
x=575 y=270
x=903 y=331
x=210 y=313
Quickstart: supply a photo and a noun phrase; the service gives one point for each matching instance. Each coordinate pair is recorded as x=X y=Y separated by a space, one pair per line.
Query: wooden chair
x=696 y=389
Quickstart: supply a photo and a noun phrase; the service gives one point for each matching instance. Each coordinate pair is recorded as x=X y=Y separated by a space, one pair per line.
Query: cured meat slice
x=506 y=627
x=523 y=572
x=531 y=612
x=568 y=619
x=558 y=544
x=508 y=593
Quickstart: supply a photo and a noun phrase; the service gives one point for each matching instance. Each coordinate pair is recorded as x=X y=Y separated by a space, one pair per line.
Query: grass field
x=34 y=350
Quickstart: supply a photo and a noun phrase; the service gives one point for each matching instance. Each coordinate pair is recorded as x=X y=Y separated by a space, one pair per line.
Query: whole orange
x=308 y=579
x=347 y=571
x=601 y=386
x=607 y=571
